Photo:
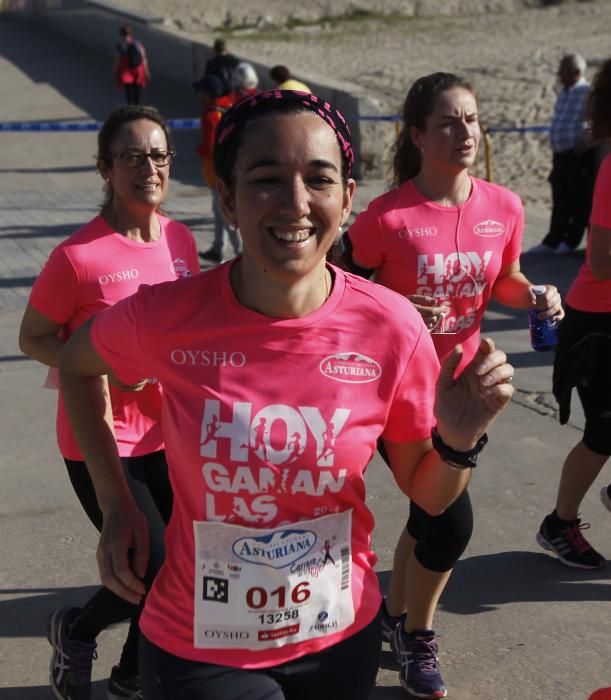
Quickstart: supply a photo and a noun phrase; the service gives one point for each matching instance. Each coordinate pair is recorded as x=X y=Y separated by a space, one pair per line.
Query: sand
x=508 y=50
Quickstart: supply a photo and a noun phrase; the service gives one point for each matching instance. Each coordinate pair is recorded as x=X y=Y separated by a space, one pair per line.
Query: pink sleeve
x=367 y=240
x=513 y=247
x=601 y=204
x=55 y=293
x=411 y=414
x=116 y=338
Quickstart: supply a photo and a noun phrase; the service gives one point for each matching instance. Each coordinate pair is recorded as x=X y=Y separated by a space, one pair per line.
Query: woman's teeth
x=291 y=236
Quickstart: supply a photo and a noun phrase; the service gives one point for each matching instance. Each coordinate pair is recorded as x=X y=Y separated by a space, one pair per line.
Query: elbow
x=24 y=343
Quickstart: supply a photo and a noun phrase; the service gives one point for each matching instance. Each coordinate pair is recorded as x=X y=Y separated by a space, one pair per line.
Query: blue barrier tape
x=182 y=124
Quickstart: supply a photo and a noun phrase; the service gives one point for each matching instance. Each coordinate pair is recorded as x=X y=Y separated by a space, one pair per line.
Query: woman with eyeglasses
x=129 y=243
x=449 y=242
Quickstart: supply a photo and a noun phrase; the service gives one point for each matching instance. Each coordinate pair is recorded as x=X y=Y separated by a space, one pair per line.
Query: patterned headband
x=248 y=107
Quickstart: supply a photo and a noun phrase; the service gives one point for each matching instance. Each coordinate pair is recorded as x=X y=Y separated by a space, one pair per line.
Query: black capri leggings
x=346 y=670
x=595 y=397
x=147 y=477
x=441 y=539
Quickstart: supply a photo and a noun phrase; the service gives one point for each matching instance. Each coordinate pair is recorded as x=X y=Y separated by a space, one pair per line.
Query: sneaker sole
x=604 y=497
x=542 y=542
x=429 y=696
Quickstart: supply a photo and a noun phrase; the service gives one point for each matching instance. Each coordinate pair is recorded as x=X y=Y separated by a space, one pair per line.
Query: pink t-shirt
x=587 y=293
x=452 y=253
x=269 y=423
x=91 y=270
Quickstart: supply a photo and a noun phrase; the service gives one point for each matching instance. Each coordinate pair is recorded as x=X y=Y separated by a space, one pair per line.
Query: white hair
x=577 y=61
x=245 y=76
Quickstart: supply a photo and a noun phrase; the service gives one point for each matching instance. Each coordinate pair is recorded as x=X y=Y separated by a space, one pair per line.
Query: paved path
x=514 y=623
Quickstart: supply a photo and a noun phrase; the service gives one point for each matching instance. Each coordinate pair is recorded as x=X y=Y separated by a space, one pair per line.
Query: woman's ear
x=227 y=200
x=349 y=190
x=103 y=169
x=415 y=136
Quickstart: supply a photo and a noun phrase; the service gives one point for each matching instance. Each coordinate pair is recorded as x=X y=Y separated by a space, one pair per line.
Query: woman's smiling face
x=142 y=185
x=288 y=197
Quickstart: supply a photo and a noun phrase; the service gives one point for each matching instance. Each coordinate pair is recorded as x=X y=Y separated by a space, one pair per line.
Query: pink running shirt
x=454 y=253
x=269 y=423
x=587 y=293
x=91 y=270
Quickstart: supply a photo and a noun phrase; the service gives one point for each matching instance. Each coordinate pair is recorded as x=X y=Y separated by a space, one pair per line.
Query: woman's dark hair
x=125 y=30
x=226 y=153
x=419 y=105
x=112 y=125
x=600 y=103
x=279 y=74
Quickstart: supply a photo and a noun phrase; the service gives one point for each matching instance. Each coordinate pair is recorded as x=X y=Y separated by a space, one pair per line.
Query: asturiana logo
x=350 y=367
x=180 y=268
x=277 y=550
x=489 y=228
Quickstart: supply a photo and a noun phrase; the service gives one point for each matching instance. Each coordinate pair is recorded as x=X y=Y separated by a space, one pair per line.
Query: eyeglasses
x=136 y=159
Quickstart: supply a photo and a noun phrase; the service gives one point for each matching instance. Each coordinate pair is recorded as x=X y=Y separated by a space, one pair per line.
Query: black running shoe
x=122 y=687
x=211 y=255
x=70 y=672
x=568 y=544
x=420 y=674
x=389 y=622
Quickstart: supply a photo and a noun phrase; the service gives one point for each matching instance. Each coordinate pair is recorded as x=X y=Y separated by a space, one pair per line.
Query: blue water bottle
x=543 y=334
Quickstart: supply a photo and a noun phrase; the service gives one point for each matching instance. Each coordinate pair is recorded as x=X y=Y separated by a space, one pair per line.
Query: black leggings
x=147 y=477
x=441 y=539
x=346 y=670
x=132 y=93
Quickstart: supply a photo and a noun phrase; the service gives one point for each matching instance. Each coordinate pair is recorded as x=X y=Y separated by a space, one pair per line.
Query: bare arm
x=89 y=411
x=600 y=252
x=464 y=408
x=513 y=289
x=38 y=337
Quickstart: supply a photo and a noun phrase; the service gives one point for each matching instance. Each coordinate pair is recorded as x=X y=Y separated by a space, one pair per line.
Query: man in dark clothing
x=222 y=65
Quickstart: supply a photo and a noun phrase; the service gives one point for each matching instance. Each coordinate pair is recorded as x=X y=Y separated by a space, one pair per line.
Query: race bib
x=261 y=589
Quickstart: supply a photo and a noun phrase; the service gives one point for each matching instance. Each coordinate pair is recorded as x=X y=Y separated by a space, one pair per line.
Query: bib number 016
x=258 y=597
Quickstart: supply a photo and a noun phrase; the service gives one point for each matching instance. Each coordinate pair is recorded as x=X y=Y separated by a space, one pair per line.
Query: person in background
x=222 y=65
x=449 y=242
x=215 y=102
x=246 y=81
x=281 y=75
x=131 y=69
x=270 y=430
x=574 y=161
x=128 y=244
x=582 y=361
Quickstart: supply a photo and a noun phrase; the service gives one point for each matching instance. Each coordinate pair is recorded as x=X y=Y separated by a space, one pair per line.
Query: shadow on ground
x=25 y=613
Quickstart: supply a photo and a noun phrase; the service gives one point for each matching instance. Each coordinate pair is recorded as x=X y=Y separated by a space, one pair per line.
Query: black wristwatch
x=455 y=459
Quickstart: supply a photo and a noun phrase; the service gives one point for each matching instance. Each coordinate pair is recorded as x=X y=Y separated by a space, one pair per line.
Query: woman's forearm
x=89 y=410
x=513 y=291
x=45 y=348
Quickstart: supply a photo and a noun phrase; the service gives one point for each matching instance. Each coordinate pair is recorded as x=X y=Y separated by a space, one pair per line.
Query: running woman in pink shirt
x=448 y=242
x=243 y=606
x=129 y=243
x=582 y=361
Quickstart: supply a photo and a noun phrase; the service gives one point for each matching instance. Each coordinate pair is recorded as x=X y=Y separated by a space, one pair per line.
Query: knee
x=443 y=539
